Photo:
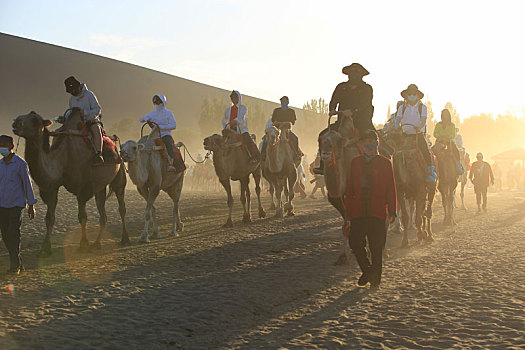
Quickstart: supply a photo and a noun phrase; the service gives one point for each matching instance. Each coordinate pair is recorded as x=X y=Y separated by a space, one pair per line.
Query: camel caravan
x=401 y=168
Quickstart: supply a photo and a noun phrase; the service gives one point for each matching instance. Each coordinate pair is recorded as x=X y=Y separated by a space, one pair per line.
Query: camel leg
x=82 y=219
x=50 y=198
x=148 y=212
x=248 y=201
x=174 y=193
x=418 y=219
x=292 y=179
x=100 y=199
x=462 y=195
x=404 y=219
x=154 y=223
x=119 y=193
x=244 y=190
x=428 y=216
x=227 y=186
x=257 y=180
x=278 y=197
x=272 y=194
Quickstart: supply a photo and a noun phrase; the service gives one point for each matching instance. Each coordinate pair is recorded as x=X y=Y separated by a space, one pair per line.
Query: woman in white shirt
x=166 y=121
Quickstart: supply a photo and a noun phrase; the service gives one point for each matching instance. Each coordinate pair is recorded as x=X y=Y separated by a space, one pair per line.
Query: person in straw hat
x=412 y=117
x=354 y=99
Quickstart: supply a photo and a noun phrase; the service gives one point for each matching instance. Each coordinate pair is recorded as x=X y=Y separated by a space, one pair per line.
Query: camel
x=337 y=152
x=67 y=162
x=148 y=171
x=447 y=180
x=231 y=162
x=411 y=185
x=280 y=167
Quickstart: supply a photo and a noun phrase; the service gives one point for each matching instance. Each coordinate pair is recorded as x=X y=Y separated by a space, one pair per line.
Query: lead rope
x=17 y=143
x=120 y=147
x=191 y=157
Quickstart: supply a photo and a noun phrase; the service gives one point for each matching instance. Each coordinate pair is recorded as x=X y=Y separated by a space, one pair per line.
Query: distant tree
x=212 y=112
x=317 y=106
x=431 y=122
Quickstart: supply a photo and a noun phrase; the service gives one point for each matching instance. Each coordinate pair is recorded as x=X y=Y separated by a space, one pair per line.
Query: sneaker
x=363 y=280
x=15 y=270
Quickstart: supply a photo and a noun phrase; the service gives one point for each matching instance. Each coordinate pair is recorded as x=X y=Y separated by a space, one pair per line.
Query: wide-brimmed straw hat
x=412 y=89
x=355 y=68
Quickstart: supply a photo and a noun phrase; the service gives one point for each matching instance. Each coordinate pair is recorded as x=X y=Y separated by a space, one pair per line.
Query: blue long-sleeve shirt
x=15 y=185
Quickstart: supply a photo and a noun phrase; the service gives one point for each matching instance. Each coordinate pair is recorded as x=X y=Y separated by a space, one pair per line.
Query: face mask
x=412 y=98
x=284 y=104
x=159 y=107
x=370 y=149
x=4 y=151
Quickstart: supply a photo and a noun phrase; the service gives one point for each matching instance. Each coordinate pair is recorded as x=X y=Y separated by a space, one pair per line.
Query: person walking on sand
x=16 y=192
x=370 y=199
x=481 y=175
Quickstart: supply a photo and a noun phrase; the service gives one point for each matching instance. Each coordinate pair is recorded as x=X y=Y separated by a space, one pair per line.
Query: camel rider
x=412 y=117
x=87 y=102
x=354 y=98
x=235 y=117
x=166 y=121
x=284 y=114
x=445 y=133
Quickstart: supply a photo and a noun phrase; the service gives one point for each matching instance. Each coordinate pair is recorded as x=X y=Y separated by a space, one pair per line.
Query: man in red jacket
x=370 y=199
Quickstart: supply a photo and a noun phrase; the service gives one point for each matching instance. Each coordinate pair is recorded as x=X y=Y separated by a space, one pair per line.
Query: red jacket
x=382 y=189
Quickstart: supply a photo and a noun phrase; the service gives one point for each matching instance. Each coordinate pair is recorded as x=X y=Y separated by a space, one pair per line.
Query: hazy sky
x=468 y=52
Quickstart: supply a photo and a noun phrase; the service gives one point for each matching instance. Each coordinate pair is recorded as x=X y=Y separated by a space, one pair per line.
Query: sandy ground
x=268 y=284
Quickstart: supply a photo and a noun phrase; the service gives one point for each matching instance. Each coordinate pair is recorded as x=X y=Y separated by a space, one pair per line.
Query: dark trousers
x=481 y=192
x=10 y=220
x=168 y=141
x=253 y=150
x=375 y=230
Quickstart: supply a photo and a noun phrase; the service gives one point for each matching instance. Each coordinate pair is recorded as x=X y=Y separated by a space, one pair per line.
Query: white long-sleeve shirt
x=86 y=101
x=410 y=118
x=161 y=116
x=242 y=121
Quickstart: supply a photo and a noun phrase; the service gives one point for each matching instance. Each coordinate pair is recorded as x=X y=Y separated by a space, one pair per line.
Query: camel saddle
x=178 y=161
x=110 y=151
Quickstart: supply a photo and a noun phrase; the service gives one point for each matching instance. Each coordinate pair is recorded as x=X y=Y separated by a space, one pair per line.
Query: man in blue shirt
x=15 y=192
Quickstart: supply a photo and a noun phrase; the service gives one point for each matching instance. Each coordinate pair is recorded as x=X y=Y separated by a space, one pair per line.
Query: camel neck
x=43 y=162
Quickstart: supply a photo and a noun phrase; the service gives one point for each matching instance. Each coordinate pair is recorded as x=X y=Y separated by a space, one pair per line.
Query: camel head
x=439 y=150
x=129 y=150
x=30 y=125
x=272 y=135
x=213 y=143
x=332 y=144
